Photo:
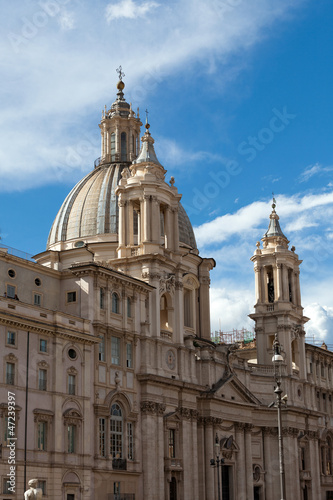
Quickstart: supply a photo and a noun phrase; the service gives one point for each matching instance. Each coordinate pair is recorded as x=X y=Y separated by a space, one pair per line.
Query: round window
x=72 y=353
x=11 y=273
x=38 y=282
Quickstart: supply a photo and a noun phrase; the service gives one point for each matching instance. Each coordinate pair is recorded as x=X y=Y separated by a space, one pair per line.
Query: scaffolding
x=234 y=336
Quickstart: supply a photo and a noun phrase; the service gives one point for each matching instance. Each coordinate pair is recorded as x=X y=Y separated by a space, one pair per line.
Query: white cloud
x=320 y=326
x=298 y=212
x=128 y=9
x=171 y=154
x=312 y=170
x=230 y=308
x=66 y=77
x=66 y=21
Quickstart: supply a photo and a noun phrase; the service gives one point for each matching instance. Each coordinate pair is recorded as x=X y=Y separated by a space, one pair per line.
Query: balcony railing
x=121 y=496
x=114 y=158
x=119 y=464
x=10 y=379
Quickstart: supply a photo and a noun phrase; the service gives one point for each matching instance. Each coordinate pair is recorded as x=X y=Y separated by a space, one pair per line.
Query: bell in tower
x=278 y=306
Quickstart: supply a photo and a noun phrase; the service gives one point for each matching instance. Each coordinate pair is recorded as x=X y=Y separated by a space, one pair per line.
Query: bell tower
x=278 y=306
x=120 y=129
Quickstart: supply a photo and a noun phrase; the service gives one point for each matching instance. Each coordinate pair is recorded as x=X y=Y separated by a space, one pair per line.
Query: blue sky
x=240 y=105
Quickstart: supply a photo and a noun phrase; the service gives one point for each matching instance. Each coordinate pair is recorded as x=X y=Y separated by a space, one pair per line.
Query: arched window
x=166 y=314
x=116 y=432
x=328 y=456
x=129 y=308
x=115 y=303
x=188 y=310
x=113 y=146
x=123 y=146
x=173 y=489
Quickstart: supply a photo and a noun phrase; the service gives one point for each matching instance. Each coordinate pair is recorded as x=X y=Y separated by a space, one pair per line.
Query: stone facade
x=119 y=392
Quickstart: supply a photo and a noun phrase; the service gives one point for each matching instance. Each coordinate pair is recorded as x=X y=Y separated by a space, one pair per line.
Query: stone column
x=175 y=230
x=122 y=234
x=130 y=228
x=146 y=218
x=209 y=454
x=248 y=461
x=293 y=288
x=152 y=452
x=257 y=273
x=167 y=229
x=266 y=436
x=107 y=141
x=240 y=462
x=139 y=227
x=103 y=143
x=156 y=222
x=298 y=289
x=279 y=281
x=117 y=149
x=264 y=294
x=285 y=282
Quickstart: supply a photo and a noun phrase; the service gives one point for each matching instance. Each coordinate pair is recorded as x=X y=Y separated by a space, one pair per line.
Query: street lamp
x=216 y=463
x=277 y=360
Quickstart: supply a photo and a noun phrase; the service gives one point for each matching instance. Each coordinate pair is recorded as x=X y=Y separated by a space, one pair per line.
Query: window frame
x=11 y=295
x=115 y=303
x=38 y=303
x=71 y=388
x=13 y=374
x=42 y=436
x=42 y=381
x=73 y=295
x=40 y=345
x=115 y=351
x=11 y=344
x=71 y=438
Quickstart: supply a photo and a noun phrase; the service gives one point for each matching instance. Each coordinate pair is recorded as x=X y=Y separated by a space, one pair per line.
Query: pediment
x=230 y=388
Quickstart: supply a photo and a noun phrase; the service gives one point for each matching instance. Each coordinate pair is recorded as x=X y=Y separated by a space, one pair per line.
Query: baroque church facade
x=106 y=351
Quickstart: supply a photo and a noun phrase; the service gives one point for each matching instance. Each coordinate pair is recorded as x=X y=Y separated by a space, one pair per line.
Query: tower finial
x=147 y=126
x=119 y=70
x=274 y=202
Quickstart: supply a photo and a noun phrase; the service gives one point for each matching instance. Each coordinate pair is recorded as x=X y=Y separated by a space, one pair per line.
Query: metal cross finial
x=274 y=201
x=147 y=115
x=120 y=72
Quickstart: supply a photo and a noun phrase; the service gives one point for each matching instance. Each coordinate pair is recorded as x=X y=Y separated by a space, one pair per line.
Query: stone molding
x=152 y=407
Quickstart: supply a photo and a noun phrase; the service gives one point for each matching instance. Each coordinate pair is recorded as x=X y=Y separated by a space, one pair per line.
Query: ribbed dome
x=91 y=209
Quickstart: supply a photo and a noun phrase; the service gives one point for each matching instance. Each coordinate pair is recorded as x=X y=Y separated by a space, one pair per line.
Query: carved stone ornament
x=152 y=407
x=170 y=359
x=72 y=417
x=125 y=173
x=167 y=284
x=187 y=413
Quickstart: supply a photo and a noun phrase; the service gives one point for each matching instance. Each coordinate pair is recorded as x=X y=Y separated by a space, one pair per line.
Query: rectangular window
x=11 y=338
x=115 y=350
x=37 y=299
x=6 y=486
x=101 y=348
x=42 y=485
x=71 y=429
x=172 y=447
x=11 y=291
x=41 y=436
x=101 y=298
x=71 y=296
x=70 y=496
x=42 y=380
x=116 y=488
x=101 y=423
x=129 y=362
x=10 y=373
x=71 y=384
x=5 y=434
x=129 y=308
x=43 y=345
x=130 y=441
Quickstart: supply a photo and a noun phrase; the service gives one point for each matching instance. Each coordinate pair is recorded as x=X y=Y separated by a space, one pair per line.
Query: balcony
x=171 y=464
x=121 y=496
x=119 y=464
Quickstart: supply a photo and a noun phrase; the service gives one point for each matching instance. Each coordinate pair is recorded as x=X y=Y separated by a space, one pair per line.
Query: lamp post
x=277 y=360
x=216 y=462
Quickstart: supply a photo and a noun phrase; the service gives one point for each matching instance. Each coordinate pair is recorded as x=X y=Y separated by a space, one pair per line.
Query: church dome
x=91 y=211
